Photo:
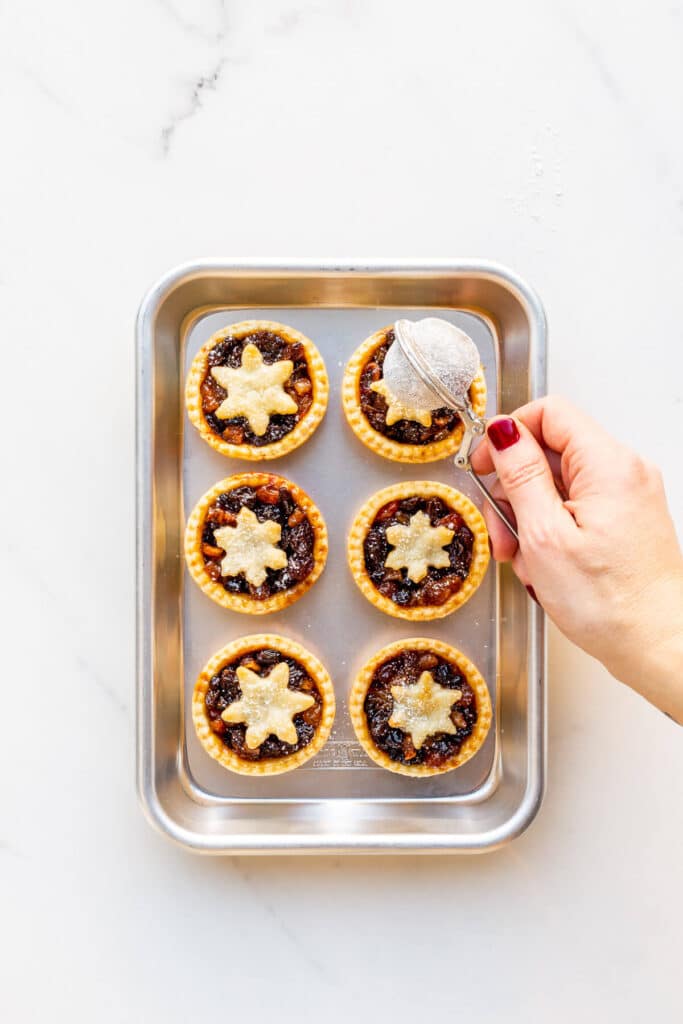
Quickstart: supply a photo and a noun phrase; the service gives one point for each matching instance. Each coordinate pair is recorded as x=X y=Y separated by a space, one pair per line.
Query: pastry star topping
x=417 y=546
x=250 y=547
x=255 y=389
x=423 y=708
x=397 y=410
x=267 y=705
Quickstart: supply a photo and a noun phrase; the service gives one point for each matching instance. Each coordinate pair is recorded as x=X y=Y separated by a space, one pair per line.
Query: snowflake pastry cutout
x=250 y=547
x=255 y=389
x=267 y=705
x=417 y=546
x=396 y=410
x=423 y=709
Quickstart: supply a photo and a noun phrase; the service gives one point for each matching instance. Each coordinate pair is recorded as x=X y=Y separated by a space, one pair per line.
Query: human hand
x=596 y=541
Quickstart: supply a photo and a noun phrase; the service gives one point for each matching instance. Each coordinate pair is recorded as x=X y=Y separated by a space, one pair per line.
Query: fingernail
x=490 y=547
x=503 y=433
x=532 y=594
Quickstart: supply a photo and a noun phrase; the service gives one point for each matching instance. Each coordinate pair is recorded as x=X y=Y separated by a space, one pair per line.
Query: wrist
x=650 y=648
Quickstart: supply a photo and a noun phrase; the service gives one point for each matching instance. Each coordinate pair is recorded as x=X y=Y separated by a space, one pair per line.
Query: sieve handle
x=474 y=425
x=486 y=494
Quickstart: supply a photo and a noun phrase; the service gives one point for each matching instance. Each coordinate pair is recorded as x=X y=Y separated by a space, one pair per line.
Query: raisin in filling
x=405 y=669
x=297 y=539
x=374 y=406
x=224 y=689
x=274 y=349
x=439 y=584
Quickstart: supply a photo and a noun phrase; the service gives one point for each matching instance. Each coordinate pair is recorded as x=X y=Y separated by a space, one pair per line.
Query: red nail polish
x=503 y=433
x=532 y=594
x=490 y=547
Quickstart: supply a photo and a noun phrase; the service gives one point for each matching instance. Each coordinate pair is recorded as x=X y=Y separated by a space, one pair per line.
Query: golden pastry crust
x=378 y=442
x=303 y=429
x=475 y=679
x=243 y=602
x=455 y=500
x=274 y=766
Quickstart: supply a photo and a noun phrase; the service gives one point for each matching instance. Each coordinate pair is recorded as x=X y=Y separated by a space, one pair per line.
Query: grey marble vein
x=317 y=965
x=287 y=22
x=194 y=27
x=195 y=101
x=46 y=90
x=102 y=685
x=595 y=55
x=74 y=629
x=660 y=154
x=10 y=850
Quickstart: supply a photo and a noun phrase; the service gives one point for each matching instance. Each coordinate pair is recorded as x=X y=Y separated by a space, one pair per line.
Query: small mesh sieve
x=460 y=376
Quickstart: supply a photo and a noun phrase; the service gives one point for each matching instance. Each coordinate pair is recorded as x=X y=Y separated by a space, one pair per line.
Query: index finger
x=554 y=422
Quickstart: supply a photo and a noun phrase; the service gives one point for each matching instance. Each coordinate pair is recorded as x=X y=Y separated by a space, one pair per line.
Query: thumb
x=523 y=471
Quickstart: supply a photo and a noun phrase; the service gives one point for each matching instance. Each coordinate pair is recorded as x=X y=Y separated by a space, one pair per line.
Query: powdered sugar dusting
x=451 y=354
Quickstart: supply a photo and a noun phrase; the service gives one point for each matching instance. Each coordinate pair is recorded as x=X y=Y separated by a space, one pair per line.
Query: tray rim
x=328 y=842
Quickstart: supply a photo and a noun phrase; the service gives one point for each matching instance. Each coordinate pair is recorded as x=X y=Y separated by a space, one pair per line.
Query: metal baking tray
x=339 y=801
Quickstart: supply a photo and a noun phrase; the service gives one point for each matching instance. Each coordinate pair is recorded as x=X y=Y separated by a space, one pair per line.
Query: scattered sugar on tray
x=451 y=354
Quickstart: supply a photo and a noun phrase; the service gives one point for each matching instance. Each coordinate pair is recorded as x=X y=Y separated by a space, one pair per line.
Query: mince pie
x=257 y=390
x=263 y=705
x=255 y=543
x=391 y=429
x=418 y=550
x=420 y=708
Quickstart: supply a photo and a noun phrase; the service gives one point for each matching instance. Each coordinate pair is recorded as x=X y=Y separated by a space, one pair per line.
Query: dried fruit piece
x=218 y=516
x=373 y=371
x=269 y=494
x=388 y=511
x=437 y=592
x=453 y=521
x=210 y=551
x=233 y=434
x=212 y=395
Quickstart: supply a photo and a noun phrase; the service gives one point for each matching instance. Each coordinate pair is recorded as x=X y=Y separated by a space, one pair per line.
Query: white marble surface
x=141 y=134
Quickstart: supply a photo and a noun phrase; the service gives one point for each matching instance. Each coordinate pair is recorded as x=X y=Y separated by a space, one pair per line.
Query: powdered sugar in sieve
x=451 y=354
